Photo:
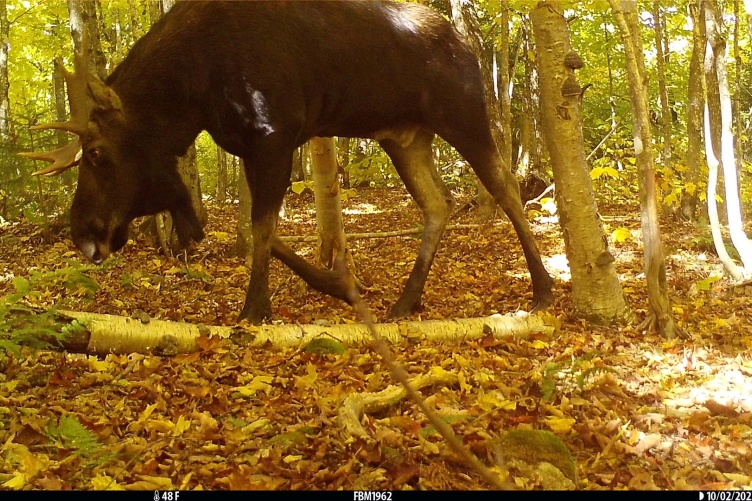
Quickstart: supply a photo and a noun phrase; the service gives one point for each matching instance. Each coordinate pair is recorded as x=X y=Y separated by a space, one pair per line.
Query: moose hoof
x=404 y=309
x=542 y=301
x=255 y=314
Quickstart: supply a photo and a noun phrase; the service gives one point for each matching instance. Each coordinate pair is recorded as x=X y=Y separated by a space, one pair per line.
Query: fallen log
x=101 y=334
x=380 y=234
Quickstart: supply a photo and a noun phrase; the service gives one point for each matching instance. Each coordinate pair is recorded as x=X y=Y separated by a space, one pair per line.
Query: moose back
x=263 y=77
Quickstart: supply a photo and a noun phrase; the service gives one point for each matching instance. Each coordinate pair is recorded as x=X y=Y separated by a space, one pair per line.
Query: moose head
x=123 y=173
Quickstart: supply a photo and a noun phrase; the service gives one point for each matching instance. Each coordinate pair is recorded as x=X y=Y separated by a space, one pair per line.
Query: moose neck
x=159 y=90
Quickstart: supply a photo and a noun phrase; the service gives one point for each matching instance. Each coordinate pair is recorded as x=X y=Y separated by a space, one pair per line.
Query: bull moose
x=263 y=77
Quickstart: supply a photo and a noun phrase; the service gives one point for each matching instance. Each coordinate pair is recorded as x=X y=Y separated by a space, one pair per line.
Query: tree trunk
x=343 y=159
x=331 y=231
x=244 y=241
x=711 y=152
x=717 y=44
x=696 y=105
x=221 y=176
x=4 y=81
x=465 y=19
x=748 y=11
x=666 y=118
x=596 y=291
x=660 y=314
x=530 y=160
x=83 y=22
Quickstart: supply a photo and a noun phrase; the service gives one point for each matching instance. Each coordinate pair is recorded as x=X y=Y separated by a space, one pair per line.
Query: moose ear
x=103 y=96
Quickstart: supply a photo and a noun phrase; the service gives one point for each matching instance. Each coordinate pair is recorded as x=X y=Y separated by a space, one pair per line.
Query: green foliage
x=70 y=434
x=577 y=369
x=374 y=170
x=20 y=325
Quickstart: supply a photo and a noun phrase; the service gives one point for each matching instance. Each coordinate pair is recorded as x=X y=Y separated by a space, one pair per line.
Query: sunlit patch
x=7 y=277
x=558 y=266
x=362 y=208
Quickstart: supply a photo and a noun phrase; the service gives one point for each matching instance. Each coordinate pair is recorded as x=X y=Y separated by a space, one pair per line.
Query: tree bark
x=660 y=314
x=244 y=237
x=529 y=167
x=717 y=44
x=106 y=334
x=83 y=22
x=596 y=292
x=696 y=105
x=329 y=224
x=465 y=19
x=4 y=81
x=666 y=118
x=221 y=176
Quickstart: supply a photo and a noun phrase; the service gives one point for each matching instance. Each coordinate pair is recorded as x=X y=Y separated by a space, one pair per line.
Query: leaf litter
x=635 y=411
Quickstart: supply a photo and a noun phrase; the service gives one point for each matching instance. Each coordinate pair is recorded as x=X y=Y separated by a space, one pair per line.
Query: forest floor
x=635 y=410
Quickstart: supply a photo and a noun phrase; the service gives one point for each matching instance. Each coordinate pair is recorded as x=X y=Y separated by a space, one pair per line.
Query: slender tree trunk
x=596 y=291
x=328 y=206
x=343 y=159
x=465 y=19
x=737 y=72
x=83 y=21
x=4 y=81
x=696 y=105
x=660 y=315
x=530 y=165
x=504 y=96
x=244 y=242
x=717 y=44
x=748 y=11
x=711 y=151
x=666 y=118
x=221 y=176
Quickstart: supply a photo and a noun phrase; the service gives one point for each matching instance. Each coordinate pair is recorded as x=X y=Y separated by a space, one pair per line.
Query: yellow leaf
x=17 y=482
x=105 y=482
x=147 y=412
x=464 y=387
x=305 y=382
x=495 y=401
x=721 y=322
x=291 y=459
x=620 y=235
x=149 y=483
x=182 y=425
x=538 y=344
x=99 y=365
x=560 y=425
x=259 y=383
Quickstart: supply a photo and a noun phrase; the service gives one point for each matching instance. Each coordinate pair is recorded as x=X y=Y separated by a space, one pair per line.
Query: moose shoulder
x=262 y=78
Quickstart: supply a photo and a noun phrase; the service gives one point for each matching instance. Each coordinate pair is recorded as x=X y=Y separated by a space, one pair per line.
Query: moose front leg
x=268 y=177
x=414 y=164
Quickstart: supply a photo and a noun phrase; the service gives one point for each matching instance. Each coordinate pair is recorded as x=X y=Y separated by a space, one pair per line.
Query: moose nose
x=91 y=251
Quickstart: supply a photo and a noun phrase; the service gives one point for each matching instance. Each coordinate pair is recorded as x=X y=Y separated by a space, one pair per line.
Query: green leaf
x=21 y=285
x=705 y=284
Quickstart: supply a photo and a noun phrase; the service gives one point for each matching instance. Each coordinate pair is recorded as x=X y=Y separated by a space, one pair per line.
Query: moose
x=262 y=78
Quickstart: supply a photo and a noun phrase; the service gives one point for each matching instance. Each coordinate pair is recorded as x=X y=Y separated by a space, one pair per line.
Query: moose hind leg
x=477 y=147
x=414 y=164
x=268 y=176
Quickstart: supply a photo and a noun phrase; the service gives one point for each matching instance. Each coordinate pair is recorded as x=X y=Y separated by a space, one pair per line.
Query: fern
x=583 y=376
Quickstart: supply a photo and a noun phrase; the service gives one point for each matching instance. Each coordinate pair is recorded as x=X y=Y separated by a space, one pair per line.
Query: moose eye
x=93 y=154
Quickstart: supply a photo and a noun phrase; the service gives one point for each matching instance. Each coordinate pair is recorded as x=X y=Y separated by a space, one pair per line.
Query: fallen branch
x=382 y=234
x=355 y=406
x=104 y=334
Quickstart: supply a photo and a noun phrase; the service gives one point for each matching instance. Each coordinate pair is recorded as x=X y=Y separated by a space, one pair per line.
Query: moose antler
x=80 y=105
